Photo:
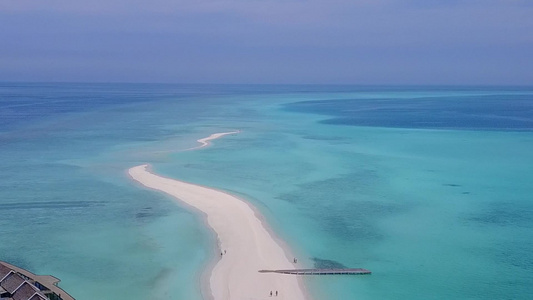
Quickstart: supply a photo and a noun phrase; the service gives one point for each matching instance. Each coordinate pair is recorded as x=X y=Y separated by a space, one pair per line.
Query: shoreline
x=248 y=243
x=205 y=142
x=245 y=243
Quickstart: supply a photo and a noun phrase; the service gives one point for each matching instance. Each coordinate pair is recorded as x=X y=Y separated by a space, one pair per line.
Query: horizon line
x=272 y=84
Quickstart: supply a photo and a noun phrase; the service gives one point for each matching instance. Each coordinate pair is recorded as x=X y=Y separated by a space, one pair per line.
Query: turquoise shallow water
x=419 y=185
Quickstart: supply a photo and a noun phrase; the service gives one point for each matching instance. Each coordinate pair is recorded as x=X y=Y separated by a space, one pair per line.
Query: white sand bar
x=207 y=141
x=248 y=244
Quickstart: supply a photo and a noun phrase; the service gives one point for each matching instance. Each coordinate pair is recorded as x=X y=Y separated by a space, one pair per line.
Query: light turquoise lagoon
x=428 y=187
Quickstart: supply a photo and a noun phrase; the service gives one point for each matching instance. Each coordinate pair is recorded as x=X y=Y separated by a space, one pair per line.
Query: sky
x=413 y=42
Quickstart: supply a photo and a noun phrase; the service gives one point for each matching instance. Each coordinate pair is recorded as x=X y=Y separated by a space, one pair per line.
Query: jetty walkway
x=358 y=271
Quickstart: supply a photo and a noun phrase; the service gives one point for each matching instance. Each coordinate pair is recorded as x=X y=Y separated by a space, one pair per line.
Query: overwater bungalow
x=20 y=284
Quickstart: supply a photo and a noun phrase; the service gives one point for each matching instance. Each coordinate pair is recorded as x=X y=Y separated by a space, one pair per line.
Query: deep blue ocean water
x=428 y=187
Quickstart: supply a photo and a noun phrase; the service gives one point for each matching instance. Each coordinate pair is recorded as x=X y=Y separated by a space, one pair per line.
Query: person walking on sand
x=270 y=293
x=276 y=293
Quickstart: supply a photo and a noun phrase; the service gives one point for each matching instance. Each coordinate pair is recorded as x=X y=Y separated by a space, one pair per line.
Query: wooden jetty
x=320 y=271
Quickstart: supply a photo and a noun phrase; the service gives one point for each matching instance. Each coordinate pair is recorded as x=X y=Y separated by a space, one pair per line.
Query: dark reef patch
x=501 y=112
x=323 y=138
x=504 y=214
x=320 y=263
x=142 y=215
x=347 y=206
x=50 y=205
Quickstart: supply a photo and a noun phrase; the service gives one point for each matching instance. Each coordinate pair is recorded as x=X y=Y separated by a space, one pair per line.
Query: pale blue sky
x=256 y=41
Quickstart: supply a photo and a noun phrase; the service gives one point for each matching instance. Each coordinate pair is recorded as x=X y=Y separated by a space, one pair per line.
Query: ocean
x=430 y=188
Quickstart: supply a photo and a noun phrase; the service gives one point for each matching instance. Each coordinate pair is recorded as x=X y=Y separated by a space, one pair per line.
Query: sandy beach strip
x=204 y=142
x=245 y=244
x=207 y=141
